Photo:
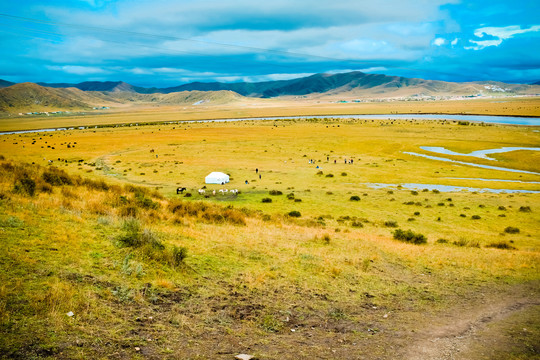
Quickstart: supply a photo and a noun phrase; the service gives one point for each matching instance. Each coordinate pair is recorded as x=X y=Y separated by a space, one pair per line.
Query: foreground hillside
x=304 y=262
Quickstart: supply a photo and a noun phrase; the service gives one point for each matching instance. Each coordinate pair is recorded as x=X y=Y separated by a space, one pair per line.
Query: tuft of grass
x=462 y=242
x=409 y=236
x=391 y=223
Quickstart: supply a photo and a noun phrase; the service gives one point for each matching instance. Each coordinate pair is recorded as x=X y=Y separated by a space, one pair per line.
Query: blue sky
x=165 y=43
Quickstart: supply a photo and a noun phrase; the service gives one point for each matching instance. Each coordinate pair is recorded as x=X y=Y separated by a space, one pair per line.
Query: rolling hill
x=29 y=97
x=354 y=83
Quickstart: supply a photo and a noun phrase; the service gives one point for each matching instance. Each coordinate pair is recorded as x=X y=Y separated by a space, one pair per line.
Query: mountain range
x=356 y=84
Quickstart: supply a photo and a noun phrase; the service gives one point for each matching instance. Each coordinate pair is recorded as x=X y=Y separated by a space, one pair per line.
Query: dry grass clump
x=207 y=212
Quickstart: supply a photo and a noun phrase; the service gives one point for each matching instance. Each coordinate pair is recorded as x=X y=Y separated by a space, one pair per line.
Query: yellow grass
x=320 y=274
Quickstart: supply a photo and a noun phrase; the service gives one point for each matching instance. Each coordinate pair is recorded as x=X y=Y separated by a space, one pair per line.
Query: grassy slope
x=346 y=291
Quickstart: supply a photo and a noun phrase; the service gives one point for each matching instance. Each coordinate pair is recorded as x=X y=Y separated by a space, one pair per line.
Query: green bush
x=275 y=192
x=409 y=236
x=355 y=198
x=25 y=185
x=329 y=175
x=266 y=200
x=56 y=177
x=511 y=230
x=475 y=217
x=525 y=209
x=294 y=213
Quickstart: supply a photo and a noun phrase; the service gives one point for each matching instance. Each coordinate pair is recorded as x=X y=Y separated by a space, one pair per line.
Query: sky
x=171 y=42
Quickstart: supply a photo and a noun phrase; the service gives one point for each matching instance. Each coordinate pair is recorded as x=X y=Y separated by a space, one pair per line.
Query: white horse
x=201 y=191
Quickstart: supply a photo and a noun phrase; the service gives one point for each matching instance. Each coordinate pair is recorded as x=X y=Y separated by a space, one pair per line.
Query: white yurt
x=217 y=178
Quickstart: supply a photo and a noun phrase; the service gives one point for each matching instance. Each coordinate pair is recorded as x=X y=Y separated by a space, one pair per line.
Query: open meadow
x=313 y=258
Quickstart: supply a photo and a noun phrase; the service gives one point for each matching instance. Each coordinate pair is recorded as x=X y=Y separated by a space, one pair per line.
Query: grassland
x=250 y=107
x=104 y=235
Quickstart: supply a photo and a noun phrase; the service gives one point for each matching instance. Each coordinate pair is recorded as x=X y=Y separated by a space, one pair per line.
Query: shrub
x=25 y=186
x=462 y=215
x=56 y=177
x=343 y=174
x=502 y=208
x=414 y=192
x=329 y=175
x=511 y=230
x=475 y=217
x=135 y=236
x=275 y=192
x=266 y=200
x=501 y=245
x=290 y=196
x=179 y=254
x=187 y=195
x=441 y=241
x=297 y=200
x=409 y=236
x=357 y=224
x=390 y=192
x=294 y=213
x=391 y=223
x=326 y=239
x=416 y=213
x=319 y=172
x=525 y=209
x=435 y=191
x=355 y=198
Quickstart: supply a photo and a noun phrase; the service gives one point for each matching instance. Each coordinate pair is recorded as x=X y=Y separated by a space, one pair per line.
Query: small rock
x=293 y=330
x=385 y=316
x=70 y=314
x=137 y=348
x=243 y=357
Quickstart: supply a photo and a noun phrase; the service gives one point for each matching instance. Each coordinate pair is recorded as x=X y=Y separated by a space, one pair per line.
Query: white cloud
x=500 y=33
x=504 y=32
x=439 y=41
x=454 y=42
x=78 y=70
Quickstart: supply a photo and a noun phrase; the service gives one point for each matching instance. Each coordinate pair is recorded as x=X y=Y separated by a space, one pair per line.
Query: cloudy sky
x=170 y=42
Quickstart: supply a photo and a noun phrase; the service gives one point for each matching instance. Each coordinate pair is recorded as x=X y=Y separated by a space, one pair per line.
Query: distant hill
x=113 y=86
x=354 y=83
x=4 y=83
x=28 y=97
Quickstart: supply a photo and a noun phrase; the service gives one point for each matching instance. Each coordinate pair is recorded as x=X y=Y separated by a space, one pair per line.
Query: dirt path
x=495 y=326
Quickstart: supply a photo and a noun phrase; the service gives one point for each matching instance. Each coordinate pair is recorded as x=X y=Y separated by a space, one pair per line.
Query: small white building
x=217 y=178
